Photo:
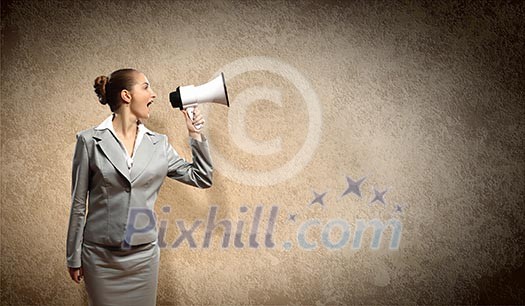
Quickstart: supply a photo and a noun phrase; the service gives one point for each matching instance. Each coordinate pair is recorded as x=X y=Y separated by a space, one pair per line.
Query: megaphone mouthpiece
x=175 y=99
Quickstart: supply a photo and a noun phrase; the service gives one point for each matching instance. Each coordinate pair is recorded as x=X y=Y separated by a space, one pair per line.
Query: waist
x=123 y=247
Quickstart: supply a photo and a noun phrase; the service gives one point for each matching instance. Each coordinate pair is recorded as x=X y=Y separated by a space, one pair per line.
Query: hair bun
x=100 y=88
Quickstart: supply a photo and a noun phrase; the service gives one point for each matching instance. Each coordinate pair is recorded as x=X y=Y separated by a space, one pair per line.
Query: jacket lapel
x=144 y=154
x=109 y=145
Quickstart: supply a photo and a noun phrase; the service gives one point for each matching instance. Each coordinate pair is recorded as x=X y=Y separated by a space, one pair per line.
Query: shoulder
x=155 y=136
x=85 y=134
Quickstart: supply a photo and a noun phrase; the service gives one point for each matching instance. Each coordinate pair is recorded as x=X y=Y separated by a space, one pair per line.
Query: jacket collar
x=107 y=124
x=105 y=139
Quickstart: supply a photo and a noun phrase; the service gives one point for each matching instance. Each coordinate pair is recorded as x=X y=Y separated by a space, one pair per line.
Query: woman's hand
x=76 y=274
x=190 y=124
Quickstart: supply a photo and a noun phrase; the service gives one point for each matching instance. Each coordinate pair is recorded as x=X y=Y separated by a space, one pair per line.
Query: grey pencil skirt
x=115 y=276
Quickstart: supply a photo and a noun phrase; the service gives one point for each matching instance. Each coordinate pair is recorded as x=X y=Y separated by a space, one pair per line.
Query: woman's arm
x=79 y=191
x=198 y=173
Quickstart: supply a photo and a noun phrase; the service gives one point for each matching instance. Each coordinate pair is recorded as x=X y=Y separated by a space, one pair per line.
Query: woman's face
x=141 y=97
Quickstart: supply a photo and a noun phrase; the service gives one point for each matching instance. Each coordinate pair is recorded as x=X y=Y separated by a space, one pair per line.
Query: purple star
x=318 y=198
x=353 y=186
x=399 y=209
x=379 y=196
x=291 y=217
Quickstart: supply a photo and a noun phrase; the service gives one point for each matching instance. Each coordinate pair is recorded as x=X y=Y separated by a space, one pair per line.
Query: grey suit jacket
x=100 y=173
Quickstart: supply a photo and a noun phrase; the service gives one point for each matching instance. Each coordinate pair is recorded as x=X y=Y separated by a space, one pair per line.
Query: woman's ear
x=125 y=95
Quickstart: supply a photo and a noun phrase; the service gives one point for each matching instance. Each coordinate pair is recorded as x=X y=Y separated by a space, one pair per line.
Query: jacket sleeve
x=199 y=172
x=79 y=191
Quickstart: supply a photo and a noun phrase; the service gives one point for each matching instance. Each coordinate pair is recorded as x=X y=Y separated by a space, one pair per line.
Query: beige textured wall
x=423 y=99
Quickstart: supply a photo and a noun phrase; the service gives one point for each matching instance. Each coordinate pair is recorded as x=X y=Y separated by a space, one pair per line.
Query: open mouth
x=149 y=103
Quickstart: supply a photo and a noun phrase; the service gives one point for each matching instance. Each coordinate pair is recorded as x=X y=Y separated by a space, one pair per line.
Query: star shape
x=353 y=186
x=379 y=196
x=291 y=217
x=318 y=198
x=398 y=209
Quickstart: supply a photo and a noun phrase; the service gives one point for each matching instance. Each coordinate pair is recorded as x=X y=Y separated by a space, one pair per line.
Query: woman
x=120 y=166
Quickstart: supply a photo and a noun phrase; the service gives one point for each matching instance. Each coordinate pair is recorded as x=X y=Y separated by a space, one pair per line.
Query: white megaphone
x=187 y=97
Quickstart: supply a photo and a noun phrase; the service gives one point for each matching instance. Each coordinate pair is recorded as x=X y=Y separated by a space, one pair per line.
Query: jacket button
x=128 y=189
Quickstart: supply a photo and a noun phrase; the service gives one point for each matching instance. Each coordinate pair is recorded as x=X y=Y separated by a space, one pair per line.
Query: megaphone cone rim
x=225 y=91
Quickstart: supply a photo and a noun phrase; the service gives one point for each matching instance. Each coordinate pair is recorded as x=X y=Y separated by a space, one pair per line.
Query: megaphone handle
x=191 y=114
